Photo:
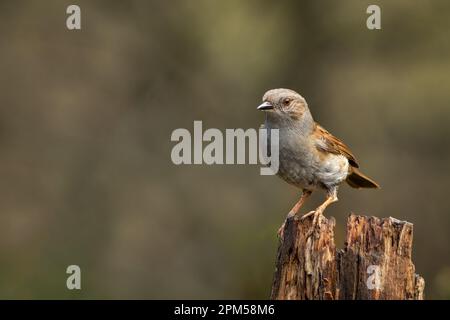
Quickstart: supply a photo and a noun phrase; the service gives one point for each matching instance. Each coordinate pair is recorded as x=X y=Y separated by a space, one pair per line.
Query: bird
x=310 y=157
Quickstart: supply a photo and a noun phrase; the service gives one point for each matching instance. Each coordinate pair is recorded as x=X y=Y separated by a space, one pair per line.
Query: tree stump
x=374 y=264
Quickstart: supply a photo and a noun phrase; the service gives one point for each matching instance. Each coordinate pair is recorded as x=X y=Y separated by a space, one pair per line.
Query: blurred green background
x=86 y=118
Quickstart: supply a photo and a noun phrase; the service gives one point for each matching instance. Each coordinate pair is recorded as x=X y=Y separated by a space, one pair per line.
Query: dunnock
x=310 y=156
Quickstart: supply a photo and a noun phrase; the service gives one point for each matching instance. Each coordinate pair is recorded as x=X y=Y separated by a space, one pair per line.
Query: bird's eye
x=286 y=101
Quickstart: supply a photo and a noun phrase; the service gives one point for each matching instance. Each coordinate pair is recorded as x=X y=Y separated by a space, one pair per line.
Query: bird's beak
x=265 y=106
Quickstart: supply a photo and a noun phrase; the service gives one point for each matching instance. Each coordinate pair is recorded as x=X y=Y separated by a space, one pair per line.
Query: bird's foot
x=306 y=215
x=317 y=214
x=280 y=231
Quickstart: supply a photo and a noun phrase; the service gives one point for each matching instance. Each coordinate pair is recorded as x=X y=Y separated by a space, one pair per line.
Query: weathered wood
x=374 y=264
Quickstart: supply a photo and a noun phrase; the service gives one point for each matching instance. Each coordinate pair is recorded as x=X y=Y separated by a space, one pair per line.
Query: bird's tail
x=356 y=179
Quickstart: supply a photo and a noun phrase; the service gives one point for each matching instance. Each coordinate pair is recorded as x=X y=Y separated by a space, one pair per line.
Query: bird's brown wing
x=326 y=142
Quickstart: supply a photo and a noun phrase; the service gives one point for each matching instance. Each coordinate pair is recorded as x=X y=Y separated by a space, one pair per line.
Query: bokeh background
x=86 y=118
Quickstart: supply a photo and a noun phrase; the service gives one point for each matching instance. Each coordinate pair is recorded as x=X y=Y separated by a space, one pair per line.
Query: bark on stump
x=374 y=264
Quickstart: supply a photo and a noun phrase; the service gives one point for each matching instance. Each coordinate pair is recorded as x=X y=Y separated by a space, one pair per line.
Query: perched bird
x=309 y=156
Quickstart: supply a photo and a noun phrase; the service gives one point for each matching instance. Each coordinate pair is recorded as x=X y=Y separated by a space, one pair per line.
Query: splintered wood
x=374 y=264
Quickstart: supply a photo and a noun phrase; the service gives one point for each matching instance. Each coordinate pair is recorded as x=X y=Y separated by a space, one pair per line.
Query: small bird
x=309 y=156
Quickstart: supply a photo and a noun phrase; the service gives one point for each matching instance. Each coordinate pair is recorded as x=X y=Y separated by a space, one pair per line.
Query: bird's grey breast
x=296 y=159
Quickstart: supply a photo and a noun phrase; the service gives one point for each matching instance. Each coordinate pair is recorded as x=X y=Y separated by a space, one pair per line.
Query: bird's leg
x=331 y=197
x=300 y=203
x=295 y=208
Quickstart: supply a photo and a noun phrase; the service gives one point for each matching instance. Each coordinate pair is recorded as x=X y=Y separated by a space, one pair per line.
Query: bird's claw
x=306 y=215
x=316 y=213
x=280 y=231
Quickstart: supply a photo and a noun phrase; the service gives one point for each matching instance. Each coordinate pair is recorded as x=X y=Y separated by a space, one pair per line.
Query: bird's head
x=284 y=103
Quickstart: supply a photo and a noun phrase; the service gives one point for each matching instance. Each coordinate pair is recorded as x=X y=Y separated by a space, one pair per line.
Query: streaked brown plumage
x=356 y=178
